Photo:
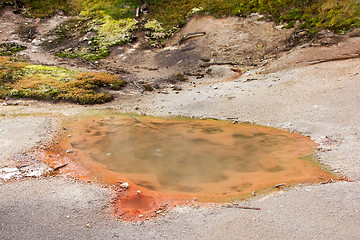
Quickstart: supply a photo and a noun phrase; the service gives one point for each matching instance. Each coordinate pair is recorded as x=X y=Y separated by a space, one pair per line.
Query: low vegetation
x=9 y=49
x=19 y=79
x=313 y=15
x=308 y=14
x=114 y=21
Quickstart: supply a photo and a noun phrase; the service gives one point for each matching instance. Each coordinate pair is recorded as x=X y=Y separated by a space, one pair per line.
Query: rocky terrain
x=245 y=70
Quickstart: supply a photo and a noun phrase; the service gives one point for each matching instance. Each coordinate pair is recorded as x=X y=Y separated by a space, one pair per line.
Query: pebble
x=138 y=192
x=69 y=151
x=125 y=185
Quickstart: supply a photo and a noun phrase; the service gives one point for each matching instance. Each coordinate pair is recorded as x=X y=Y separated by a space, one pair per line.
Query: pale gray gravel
x=60 y=208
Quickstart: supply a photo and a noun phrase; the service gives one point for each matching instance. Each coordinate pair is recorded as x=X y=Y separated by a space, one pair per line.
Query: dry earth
x=284 y=90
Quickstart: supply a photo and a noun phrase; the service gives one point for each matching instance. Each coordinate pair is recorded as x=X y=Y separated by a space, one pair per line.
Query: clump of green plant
x=113 y=32
x=156 y=33
x=309 y=14
x=108 y=32
x=116 y=9
x=90 y=53
x=47 y=8
x=9 y=49
x=21 y=80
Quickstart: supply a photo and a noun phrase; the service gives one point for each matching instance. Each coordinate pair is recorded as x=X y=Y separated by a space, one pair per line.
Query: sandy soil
x=285 y=91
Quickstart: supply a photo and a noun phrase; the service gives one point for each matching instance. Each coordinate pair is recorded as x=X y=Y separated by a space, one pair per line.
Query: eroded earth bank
x=243 y=70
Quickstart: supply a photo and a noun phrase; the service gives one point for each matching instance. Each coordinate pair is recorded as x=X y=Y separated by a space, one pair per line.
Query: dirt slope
x=283 y=91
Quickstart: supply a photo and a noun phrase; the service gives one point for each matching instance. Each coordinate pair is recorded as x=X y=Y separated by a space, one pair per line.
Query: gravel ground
x=321 y=101
x=61 y=208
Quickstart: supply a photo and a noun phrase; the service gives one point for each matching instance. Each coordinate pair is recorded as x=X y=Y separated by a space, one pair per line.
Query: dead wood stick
x=197 y=75
x=279 y=185
x=61 y=166
x=219 y=63
x=252 y=208
x=333 y=59
x=135 y=118
x=242 y=207
x=190 y=35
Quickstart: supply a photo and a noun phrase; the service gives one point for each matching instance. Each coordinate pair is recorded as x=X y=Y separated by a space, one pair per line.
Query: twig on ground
x=190 y=35
x=59 y=167
x=333 y=59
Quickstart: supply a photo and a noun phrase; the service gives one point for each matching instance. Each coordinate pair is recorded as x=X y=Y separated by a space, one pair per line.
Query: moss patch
x=22 y=80
x=47 y=8
x=309 y=14
x=156 y=33
x=9 y=49
x=108 y=32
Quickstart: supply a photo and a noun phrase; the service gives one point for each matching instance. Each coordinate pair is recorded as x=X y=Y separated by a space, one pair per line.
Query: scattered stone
x=125 y=185
x=159 y=211
x=279 y=185
x=88 y=225
x=176 y=88
x=138 y=192
x=69 y=151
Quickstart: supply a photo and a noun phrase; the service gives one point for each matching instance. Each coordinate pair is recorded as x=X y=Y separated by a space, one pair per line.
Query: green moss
x=156 y=32
x=114 y=32
x=91 y=53
x=10 y=49
x=54 y=83
x=47 y=8
x=312 y=14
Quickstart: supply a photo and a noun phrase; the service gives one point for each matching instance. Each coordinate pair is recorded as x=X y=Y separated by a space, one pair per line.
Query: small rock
x=279 y=185
x=88 y=225
x=125 y=185
x=67 y=216
x=68 y=135
x=69 y=151
x=138 y=192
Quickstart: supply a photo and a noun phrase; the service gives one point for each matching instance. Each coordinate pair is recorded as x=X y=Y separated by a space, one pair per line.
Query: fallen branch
x=333 y=59
x=250 y=80
x=218 y=63
x=252 y=208
x=61 y=166
x=197 y=75
x=279 y=185
x=242 y=207
x=190 y=35
x=135 y=118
